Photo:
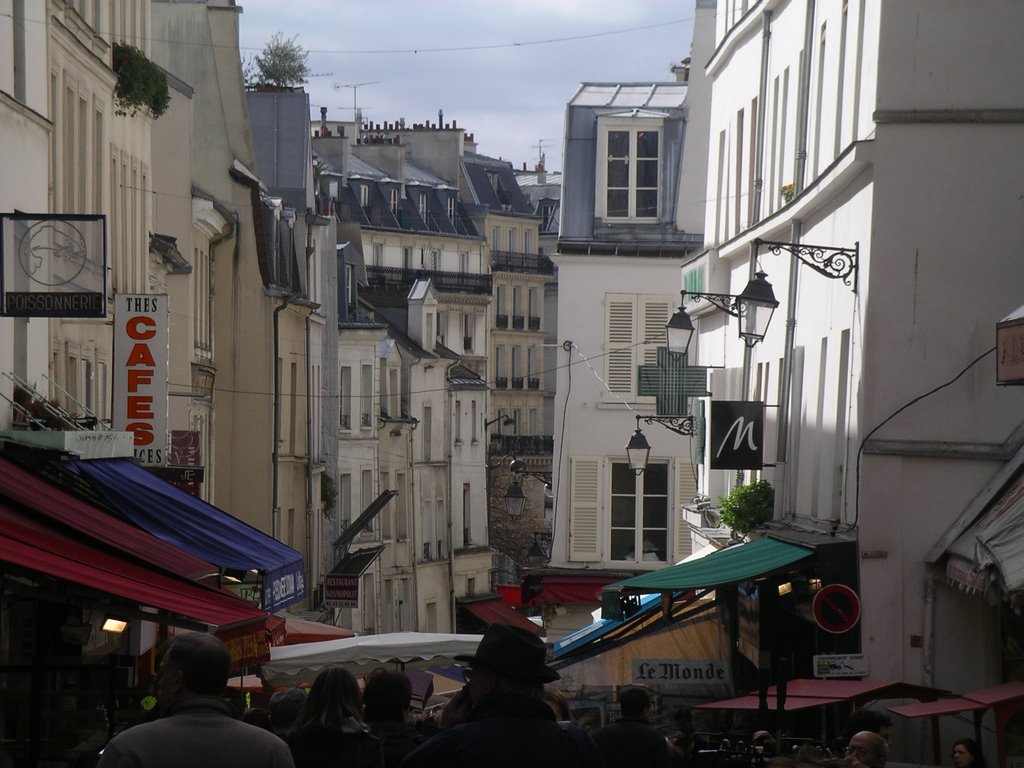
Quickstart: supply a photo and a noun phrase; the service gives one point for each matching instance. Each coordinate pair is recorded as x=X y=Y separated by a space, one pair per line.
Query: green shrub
x=141 y=84
x=748 y=506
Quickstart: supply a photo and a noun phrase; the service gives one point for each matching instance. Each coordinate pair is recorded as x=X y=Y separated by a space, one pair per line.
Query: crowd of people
x=507 y=715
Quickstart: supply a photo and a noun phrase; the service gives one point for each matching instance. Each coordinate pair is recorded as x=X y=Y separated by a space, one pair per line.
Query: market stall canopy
x=731 y=565
x=494 y=610
x=402 y=647
x=805 y=693
x=192 y=524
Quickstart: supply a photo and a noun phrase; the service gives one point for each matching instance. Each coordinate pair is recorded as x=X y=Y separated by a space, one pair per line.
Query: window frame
x=633 y=126
x=641 y=496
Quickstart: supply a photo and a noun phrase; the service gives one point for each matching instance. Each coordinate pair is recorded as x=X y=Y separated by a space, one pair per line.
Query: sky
x=502 y=69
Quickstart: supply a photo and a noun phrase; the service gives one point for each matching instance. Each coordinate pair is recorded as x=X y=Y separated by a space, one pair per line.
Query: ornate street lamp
x=754 y=307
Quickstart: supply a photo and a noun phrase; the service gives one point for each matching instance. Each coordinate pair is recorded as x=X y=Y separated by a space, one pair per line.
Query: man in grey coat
x=197 y=727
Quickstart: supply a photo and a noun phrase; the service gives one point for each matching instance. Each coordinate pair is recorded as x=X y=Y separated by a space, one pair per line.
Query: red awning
x=497 y=611
x=29 y=543
x=940 y=707
x=751 y=702
x=574 y=589
x=298 y=630
x=860 y=691
x=81 y=518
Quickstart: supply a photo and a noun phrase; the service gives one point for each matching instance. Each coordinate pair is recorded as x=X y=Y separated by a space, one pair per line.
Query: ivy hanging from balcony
x=141 y=84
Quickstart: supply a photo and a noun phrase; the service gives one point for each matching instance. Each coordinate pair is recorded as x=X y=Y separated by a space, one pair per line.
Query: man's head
x=867 y=750
x=285 y=707
x=387 y=696
x=509 y=660
x=634 y=702
x=867 y=720
x=193 y=665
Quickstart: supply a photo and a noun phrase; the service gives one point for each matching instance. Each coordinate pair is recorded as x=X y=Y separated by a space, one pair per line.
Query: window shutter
x=655 y=312
x=584 y=508
x=620 y=348
x=686 y=491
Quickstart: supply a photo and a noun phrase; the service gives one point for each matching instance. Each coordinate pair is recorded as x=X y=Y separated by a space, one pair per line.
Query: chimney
x=440 y=118
x=323 y=121
x=682 y=71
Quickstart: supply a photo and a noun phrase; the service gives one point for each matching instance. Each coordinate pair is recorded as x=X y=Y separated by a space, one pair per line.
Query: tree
x=282 y=63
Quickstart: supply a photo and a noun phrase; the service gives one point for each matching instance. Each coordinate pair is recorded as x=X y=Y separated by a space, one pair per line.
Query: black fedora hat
x=513 y=652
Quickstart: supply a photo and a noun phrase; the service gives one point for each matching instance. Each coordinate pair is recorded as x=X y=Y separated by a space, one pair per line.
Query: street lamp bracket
x=827 y=260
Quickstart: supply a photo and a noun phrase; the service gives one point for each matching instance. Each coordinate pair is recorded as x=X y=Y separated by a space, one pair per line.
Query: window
x=366 y=396
x=401 y=511
x=499 y=300
x=463 y=261
x=427 y=431
x=527 y=241
x=634 y=328
x=496 y=238
x=407 y=257
x=346 y=397
x=458 y=421
x=451 y=209
x=422 y=203
x=474 y=419
x=511 y=240
x=364 y=195
x=639 y=513
x=366 y=495
x=378 y=254
x=345 y=497
x=394 y=200
x=630 y=172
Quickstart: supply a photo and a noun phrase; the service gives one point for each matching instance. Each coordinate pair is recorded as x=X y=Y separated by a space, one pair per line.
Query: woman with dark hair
x=967 y=754
x=329 y=730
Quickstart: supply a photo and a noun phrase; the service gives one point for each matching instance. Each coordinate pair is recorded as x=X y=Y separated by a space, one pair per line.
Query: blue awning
x=178 y=517
x=588 y=634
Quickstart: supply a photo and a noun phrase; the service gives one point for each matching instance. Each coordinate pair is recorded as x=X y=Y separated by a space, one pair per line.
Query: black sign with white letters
x=737 y=434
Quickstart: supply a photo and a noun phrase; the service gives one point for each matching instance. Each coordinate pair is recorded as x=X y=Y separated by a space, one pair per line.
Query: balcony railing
x=517 y=322
x=534 y=383
x=501 y=321
x=534 y=323
x=501 y=382
x=346 y=421
x=366 y=420
x=517 y=382
x=467 y=343
x=507 y=261
x=445 y=282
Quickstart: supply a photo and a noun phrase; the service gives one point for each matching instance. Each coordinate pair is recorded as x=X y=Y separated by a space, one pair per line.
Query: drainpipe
x=310 y=501
x=276 y=514
x=781 y=476
x=762 y=96
x=448 y=437
x=803 y=102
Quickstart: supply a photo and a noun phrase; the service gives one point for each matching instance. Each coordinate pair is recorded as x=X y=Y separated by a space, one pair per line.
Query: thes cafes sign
x=140 y=374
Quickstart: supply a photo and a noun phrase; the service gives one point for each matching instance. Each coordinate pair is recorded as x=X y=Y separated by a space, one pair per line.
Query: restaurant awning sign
x=53 y=265
x=737 y=434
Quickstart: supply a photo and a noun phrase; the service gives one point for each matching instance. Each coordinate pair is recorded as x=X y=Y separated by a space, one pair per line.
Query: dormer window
x=394 y=200
x=629 y=168
x=364 y=195
x=451 y=208
x=422 y=203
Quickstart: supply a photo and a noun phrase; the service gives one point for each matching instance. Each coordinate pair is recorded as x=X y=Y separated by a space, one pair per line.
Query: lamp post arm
x=827 y=260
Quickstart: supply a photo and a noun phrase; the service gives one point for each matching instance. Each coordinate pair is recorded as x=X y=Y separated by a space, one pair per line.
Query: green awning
x=727 y=566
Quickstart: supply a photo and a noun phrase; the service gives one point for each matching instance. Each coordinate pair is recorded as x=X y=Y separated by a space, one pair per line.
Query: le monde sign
x=141 y=359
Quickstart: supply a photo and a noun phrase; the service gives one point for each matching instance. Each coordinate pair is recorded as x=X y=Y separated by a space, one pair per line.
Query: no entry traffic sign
x=836 y=608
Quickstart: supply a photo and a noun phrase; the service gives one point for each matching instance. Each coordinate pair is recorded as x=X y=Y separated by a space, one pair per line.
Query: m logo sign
x=737 y=434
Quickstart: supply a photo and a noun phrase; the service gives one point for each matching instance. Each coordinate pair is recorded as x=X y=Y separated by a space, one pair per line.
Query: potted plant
x=787 y=192
x=141 y=84
x=747 y=506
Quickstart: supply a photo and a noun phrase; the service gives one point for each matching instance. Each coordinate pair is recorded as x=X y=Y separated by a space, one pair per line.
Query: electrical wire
x=890 y=417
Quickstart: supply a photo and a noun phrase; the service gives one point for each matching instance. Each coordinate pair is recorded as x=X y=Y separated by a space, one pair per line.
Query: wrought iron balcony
x=501 y=382
x=517 y=322
x=534 y=323
x=501 y=321
x=445 y=282
x=530 y=263
x=534 y=383
x=517 y=382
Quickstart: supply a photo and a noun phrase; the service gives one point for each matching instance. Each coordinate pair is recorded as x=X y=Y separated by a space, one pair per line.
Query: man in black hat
x=509 y=725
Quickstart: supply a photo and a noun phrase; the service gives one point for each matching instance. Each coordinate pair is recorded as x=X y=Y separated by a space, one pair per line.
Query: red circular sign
x=836 y=608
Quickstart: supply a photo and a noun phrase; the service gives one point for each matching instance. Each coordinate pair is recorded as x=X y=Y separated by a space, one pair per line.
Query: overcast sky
x=502 y=69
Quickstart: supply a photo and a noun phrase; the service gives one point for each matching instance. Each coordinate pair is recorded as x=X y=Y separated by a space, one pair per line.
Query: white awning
x=990 y=553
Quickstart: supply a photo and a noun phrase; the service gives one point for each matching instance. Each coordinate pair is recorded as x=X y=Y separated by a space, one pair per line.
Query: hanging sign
x=140 y=373
x=737 y=434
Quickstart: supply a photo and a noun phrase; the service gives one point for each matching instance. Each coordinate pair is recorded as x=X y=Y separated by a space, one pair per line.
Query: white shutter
x=620 y=343
x=655 y=312
x=584 y=508
x=686 y=490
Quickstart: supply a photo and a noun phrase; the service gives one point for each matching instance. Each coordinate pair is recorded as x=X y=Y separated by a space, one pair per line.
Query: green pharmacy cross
x=672 y=382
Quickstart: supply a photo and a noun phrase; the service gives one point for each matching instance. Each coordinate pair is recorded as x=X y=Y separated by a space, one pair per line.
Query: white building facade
x=849 y=125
